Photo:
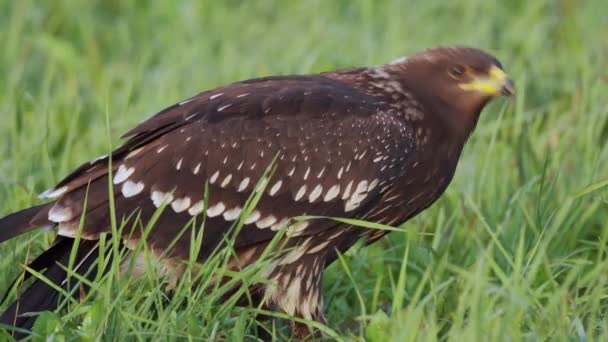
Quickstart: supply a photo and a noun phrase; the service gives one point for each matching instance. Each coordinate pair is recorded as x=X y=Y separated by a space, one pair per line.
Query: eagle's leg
x=296 y=289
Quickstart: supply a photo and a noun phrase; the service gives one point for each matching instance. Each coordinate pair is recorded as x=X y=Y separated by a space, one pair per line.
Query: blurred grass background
x=516 y=248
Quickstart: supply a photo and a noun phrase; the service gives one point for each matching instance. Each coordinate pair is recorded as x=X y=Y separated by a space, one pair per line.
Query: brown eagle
x=376 y=143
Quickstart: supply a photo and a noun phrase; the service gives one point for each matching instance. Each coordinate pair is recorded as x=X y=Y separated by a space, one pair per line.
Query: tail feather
x=39 y=296
x=23 y=221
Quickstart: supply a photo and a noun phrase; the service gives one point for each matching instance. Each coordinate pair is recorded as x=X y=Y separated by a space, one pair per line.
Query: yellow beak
x=494 y=84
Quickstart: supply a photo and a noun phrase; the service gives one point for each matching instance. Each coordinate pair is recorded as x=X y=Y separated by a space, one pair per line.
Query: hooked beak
x=495 y=83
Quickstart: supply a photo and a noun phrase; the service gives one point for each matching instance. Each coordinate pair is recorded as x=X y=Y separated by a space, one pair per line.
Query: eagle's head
x=457 y=81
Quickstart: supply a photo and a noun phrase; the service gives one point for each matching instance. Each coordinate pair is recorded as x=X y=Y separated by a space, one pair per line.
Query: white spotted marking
x=232 y=214
x=178 y=166
x=214 y=96
x=332 y=193
x=275 y=188
x=180 y=204
x=159 y=198
x=53 y=193
x=242 y=95
x=162 y=148
x=293 y=169
x=224 y=107
x=197 y=208
x=373 y=184
x=347 y=190
x=336 y=234
x=243 y=185
x=315 y=193
x=340 y=172
x=123 y=173
x=300 y=193
x=226 y=181
x=279 y=224
x=361 y=187
x=186 y=101
x=134 y=153
x=240 y=165
x=197 y=168
x=191 y=116
x=214 y=177
x=306 y=173
x=318 y=247
x=297 y=228
x=60 y=214
x=321 y=172
x=130 y=188
x=104 y=156
x=216 y=209
x=294 y=255
x=377 y=159
x=266 y=221
x=254 y=216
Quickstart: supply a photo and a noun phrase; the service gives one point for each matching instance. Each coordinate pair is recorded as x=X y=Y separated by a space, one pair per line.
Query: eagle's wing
x=335 y=151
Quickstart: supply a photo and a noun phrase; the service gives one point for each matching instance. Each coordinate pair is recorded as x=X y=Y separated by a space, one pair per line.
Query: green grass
x=516 y=249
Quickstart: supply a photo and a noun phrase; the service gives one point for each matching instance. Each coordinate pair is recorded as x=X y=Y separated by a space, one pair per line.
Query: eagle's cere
x=378 y=143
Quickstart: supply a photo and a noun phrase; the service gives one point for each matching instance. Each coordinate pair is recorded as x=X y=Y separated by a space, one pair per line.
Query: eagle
x=378 y=144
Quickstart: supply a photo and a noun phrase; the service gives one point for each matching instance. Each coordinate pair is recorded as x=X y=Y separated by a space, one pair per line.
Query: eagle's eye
x=456 y=71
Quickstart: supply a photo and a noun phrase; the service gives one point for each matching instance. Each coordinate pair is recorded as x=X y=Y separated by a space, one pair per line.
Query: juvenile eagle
x=376 y=143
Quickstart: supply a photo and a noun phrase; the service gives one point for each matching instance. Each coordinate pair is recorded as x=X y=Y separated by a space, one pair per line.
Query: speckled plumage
x=379 y=144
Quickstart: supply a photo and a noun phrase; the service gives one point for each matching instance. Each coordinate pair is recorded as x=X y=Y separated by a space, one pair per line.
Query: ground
x=515 y=249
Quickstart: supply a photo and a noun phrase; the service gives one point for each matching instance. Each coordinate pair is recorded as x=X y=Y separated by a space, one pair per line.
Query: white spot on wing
x=243 y=185
x=123 y=173
x=53 y=193
x=254 y=216
x=224 y=107
x=294 y=255
x=232 y=214
x=306 y=173
x=373 y=184
x=130 y=188
x=347 y=190
x=300 y=193
x=186 y=101
x=159 y=198
x=275 y=188
x=226 y=181
x=321 y=172
x=197 y=208
x=266 y=221
x=216 y=209
x=318 y=247
x=315 y=193
x=332 y=193
x=60 y=214
x=214 y=177
x=279 y=224
x=297 y=228
x=197 y=168
x=215 y=96
x=162 y=148
x=179 y=164
x=180 y=204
